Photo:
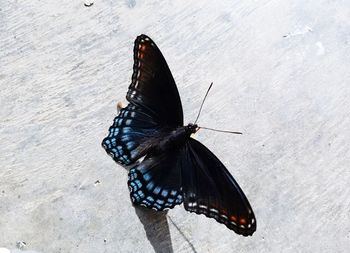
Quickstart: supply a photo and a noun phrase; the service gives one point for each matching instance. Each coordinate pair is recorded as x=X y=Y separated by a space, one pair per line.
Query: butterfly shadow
x=157 y=229
x=155 y=224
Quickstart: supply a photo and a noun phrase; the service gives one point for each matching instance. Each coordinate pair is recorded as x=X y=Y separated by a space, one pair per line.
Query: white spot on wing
x=224 y=216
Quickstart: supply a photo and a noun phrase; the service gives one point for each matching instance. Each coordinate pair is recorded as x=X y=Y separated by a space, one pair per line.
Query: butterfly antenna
x=218 y=130
x=200 y=109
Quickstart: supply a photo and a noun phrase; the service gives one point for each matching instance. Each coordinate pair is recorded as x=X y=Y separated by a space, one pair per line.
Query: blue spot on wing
x=147 y=176
x=149 y=198
x=131 y=145
x=150 y=185
x=157 y=190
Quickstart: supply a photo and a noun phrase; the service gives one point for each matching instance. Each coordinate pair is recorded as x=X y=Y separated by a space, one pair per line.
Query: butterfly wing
x=153 y=87
x=156 y=182
x=154 y=108
x=209 y=189
x=133 y=132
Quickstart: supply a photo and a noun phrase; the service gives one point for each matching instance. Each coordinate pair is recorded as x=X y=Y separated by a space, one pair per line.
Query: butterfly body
x=176 y=139
x=175 y=168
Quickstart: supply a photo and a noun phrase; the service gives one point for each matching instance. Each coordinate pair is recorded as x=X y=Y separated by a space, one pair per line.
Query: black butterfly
x=176 y=168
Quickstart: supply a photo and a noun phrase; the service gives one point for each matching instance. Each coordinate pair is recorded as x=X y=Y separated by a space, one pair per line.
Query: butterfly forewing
x=155 y=106
x=153 y=87
x=209 y=189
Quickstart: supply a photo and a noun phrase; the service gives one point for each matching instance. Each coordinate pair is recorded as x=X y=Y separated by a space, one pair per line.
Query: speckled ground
x=281 y=76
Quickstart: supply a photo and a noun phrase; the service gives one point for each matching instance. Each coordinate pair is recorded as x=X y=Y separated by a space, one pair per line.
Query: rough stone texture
x=281 y=75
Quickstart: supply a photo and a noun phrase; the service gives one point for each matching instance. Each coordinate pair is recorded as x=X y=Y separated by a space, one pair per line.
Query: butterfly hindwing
x=209 y=189
x=153 y=86
x=156 y=182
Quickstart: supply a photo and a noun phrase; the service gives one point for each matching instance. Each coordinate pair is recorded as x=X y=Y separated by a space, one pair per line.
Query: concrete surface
x=281 y=75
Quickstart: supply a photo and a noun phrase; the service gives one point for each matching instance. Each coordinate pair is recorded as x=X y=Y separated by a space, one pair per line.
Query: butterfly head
x=191 y=128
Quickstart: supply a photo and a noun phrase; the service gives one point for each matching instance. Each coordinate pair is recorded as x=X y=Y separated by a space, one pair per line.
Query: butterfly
x=169 y=167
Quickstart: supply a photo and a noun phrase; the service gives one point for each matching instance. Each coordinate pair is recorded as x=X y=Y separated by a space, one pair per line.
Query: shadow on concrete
x=157 y=229
x=156 y=226
x=183 y=235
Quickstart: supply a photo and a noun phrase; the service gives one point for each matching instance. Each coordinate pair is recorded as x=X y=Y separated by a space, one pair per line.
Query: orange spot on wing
x=242 y=221
x=233 y=218
x=142 y=47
